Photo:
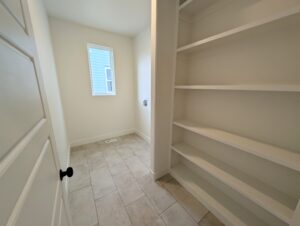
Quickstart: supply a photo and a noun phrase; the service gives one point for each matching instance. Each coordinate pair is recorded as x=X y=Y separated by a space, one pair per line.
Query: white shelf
x=252 y=189
x=185 y=4
x=236 y=31
x=194 y=6
x=269 y=88
x=226 y=209
x=277 y=155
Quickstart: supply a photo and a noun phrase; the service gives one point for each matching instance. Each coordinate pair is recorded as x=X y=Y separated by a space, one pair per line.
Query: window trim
x=107 y=80
x=112 y=67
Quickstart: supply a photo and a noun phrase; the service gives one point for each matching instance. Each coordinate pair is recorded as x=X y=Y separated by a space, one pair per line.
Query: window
x=101 y=62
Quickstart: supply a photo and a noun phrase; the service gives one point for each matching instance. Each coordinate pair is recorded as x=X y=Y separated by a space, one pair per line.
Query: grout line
x=131 y=221
x=183 y=205
x=168 y=208
x=208 y=212
x=78 y=189
x=179 y=202
x=117 y=187
x=90 y=179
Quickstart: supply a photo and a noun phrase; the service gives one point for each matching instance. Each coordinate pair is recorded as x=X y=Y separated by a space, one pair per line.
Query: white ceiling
x=128 y=17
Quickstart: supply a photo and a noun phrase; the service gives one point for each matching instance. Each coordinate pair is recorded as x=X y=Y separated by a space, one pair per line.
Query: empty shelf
x=252 y=189
x=239 y=30
x=215 y=200
x=269 y=88
x=277 y=155
x=185 y=4
x=192 y=7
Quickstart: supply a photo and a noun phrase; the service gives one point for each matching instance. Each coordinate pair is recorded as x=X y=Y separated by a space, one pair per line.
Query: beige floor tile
x=100 y=190
x=96 y=160
x=158 y=222
x=210 y=220
x=158 y=195
x=142 y=181
x=78 y=157
x=177 y=216
x=138 y=169
x=111 y=212
x=144 y=146
x=142 y=213
x=113 y=159
x=136 y=147
x=109 y=150
x=128 y=188
x=91 y=147
x=118 y=169
x=128 y=142
x=184 y=198
x=82 y=207
x=97 y=163
x=139 y=147
x=119 y=174
x=125 y=151
x=102 y=182
x=144 y=156
x=80 y=178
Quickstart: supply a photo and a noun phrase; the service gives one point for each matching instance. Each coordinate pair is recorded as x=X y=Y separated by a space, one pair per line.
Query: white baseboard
x=142 y=135
x=101 y=137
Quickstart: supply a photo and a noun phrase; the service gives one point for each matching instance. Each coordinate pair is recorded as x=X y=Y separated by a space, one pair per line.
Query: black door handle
x=68 y=172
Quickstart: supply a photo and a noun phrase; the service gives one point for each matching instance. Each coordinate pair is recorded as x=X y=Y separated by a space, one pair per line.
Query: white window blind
x=102 y=75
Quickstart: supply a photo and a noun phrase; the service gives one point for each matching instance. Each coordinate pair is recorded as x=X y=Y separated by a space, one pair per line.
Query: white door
x=30 y=187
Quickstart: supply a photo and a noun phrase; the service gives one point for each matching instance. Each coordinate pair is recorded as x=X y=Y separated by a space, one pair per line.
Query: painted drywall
x=91 y=118
x=42 y=36
x=142 y=58
x=163 y=45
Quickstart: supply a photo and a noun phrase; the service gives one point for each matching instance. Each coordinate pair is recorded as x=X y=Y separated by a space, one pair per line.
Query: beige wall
x=91 y=118
x=48 y=71
x=142 y=53
x=163 y=44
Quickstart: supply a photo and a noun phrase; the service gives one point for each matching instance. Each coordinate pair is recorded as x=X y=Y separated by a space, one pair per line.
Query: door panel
x=30 y=188
x=12 y=31
x=16 y=168
x=63 y=218
x=15 y=8
x=57 y=207
x=40 y=199
x=21 y=102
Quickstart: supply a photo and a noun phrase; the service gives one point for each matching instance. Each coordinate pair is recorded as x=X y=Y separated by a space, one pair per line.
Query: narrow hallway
x=112 y=185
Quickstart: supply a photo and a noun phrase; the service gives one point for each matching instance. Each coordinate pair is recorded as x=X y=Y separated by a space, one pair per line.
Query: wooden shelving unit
x=247 y=41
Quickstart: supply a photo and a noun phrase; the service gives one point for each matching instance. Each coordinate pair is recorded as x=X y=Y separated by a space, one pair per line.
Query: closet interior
x=236 y=112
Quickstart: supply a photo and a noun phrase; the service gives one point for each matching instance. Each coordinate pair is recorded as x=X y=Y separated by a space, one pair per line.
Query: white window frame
x=106 y=80
x=112 y=67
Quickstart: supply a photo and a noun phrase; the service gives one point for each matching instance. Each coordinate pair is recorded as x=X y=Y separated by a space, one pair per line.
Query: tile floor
x=112 y=186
